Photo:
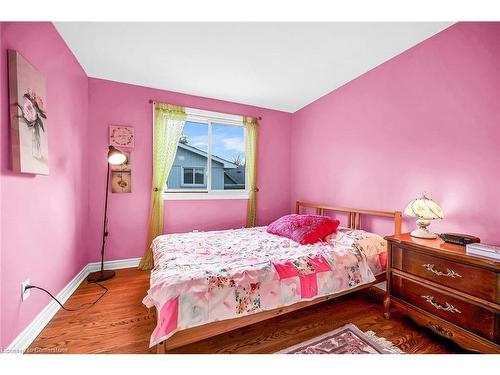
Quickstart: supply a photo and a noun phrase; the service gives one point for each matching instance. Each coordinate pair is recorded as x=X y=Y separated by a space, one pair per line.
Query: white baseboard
x=114 y=264
x=29 y=334
x=381 y=285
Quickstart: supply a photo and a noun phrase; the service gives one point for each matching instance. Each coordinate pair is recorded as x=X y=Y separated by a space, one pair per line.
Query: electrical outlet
x=25 y=293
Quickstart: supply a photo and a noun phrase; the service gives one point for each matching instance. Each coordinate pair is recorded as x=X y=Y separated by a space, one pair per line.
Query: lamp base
x=98 y=276
x=422 y=233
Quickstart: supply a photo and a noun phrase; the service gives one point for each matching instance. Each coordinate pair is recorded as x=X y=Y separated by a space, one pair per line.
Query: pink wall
x=1 y=163
x=43 y=218
x=118 y=103
x=427 y=120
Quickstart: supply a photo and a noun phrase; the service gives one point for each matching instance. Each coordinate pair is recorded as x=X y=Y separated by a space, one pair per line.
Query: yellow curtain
x=168 y=124
x=252 y=133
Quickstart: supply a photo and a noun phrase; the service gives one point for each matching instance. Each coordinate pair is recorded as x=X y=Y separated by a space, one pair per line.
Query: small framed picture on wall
x=121 y=136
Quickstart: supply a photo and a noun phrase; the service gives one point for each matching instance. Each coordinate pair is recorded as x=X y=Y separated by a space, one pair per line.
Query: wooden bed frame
x=205 y=331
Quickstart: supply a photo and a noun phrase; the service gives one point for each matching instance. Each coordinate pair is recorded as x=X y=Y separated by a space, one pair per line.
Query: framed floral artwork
x=121 y=136
x=28 y=116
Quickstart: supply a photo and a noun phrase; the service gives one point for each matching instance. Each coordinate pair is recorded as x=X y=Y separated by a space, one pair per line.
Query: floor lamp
x=115 y=157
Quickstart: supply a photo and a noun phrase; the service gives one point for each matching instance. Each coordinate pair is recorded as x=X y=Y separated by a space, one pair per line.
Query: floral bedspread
x=203 y=277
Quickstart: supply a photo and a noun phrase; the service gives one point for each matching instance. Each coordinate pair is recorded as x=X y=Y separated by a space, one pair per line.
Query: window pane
x=188 y=175
x=191 y=155
x=228 y=157
x=199 y=177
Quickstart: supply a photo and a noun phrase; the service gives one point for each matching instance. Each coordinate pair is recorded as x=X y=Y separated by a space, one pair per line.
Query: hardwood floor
x=120 y=323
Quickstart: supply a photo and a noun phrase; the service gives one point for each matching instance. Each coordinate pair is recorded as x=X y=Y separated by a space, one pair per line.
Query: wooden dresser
x=440 y=287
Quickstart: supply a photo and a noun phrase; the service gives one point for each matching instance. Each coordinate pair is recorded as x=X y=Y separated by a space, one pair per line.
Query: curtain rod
x=151 y=101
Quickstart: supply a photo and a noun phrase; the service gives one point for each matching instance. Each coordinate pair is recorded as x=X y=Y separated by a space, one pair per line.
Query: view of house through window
x=222 y=144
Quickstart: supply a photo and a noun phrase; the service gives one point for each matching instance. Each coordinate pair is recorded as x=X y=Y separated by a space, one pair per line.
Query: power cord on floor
x=60 y=304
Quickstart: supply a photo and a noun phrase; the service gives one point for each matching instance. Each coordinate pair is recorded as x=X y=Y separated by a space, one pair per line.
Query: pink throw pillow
x=304 y=229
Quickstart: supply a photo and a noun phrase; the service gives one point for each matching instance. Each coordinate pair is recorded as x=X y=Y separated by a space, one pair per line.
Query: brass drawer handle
x=440 y=330
x=449 y=273
x=449 y=307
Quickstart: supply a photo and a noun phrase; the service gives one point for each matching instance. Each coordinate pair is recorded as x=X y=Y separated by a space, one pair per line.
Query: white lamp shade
x=116 y=157
x=424 y=208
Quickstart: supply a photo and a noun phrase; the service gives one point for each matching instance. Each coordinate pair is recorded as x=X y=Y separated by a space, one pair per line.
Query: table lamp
x=425 y=210
x=115 y=157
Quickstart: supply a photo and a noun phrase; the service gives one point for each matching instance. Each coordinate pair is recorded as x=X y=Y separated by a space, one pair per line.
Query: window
x=192 y=176
x=210 y=158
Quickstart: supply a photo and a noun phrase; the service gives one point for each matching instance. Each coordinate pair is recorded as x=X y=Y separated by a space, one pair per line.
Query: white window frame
x=208 y=117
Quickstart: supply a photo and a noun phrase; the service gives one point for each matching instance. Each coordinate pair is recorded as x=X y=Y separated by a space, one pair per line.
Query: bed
x=207 y=283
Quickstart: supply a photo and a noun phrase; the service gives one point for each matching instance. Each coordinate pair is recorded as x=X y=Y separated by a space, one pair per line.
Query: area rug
x=348 y=339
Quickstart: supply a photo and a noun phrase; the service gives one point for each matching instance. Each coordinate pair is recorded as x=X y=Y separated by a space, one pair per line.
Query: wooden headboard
x=354 y=215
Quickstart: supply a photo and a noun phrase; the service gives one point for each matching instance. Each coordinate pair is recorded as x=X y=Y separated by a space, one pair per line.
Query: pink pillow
x=304 y=229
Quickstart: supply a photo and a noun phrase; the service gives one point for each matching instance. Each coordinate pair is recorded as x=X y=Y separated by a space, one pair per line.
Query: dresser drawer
x=459 y=311
x=476 y=281
x=447 y=330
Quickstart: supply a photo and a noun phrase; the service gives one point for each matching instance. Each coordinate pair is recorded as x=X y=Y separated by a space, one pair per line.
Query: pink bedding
x=202 y=277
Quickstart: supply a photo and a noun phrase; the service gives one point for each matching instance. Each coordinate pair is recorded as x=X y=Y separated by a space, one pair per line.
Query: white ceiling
x=282 y=66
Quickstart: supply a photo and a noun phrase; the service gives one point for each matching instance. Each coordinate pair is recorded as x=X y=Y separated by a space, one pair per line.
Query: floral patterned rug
x=348 y=339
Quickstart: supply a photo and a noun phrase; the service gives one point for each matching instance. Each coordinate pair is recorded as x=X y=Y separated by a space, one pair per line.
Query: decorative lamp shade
x=115 y=156
x=424 y=208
